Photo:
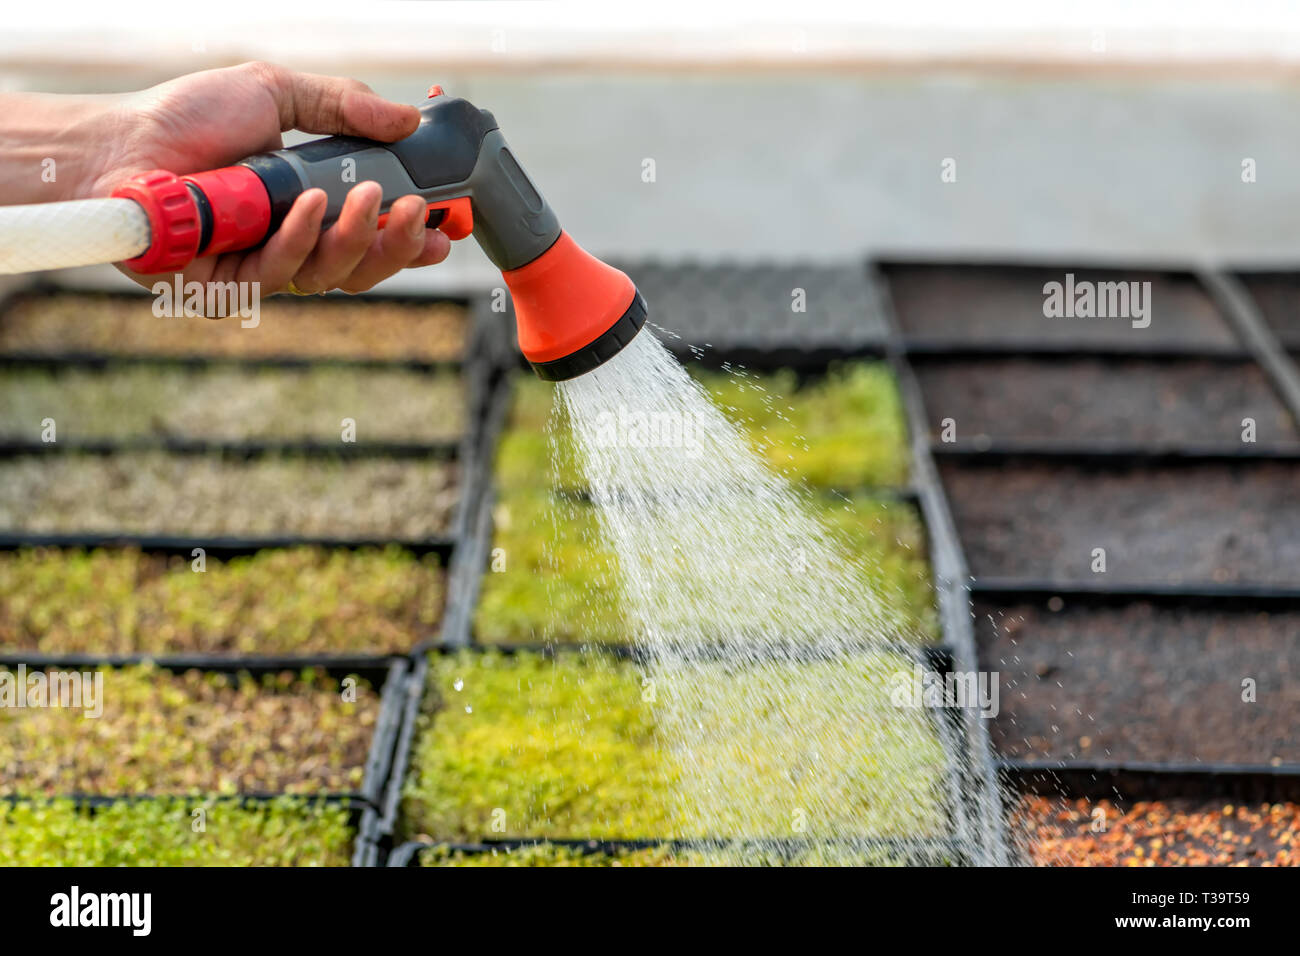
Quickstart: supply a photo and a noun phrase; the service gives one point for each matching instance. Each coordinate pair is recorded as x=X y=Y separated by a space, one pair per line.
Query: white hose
x=59 y=235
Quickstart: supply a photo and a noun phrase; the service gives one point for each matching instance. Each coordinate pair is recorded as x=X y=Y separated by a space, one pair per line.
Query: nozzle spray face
x=573 y=311
x=600 y=350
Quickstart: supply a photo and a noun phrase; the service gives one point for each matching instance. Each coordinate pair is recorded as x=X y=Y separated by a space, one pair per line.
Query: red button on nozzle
x=434 y=90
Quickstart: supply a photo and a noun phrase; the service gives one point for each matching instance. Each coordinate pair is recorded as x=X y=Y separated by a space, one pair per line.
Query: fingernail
x=316 y=200
x=417 y=225
x=375 y=202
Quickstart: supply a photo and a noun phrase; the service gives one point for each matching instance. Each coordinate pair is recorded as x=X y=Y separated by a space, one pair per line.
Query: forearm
x=55 y=147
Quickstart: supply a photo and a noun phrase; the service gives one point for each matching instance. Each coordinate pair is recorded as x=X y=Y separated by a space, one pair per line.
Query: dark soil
x=1278 y=296
x=1143 y=683
x=1079 y=400
x=1201 y=523
x=978 y=304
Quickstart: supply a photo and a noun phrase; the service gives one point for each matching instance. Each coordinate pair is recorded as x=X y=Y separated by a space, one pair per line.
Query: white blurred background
x=804 y=131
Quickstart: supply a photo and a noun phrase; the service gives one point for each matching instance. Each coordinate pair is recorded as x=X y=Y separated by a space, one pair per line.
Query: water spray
x=573 y=311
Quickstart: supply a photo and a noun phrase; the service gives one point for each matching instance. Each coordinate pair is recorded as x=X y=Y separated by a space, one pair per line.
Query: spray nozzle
x=573 y=311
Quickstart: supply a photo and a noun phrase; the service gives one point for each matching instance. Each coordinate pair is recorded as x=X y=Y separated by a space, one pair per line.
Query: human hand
x=214 y=118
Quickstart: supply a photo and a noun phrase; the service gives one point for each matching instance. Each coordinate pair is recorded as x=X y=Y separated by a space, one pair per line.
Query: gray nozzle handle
x=456 y=151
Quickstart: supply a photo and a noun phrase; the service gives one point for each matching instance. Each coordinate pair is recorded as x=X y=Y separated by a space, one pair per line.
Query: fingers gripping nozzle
x=573 y=311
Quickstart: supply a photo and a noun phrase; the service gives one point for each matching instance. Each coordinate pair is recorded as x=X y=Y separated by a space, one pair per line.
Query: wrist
x=58 y=146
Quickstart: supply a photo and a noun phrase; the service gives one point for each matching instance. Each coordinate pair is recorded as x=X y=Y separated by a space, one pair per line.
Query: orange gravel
x=1159 y=833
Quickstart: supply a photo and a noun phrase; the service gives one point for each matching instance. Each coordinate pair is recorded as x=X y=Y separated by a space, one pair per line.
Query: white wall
x=1128 y=157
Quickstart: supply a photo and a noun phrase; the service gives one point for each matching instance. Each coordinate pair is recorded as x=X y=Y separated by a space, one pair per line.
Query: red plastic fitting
x=173 y=221
x=240 y=205
x=458 y=220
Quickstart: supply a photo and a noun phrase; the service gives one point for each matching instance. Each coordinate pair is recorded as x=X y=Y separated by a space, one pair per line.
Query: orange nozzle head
x=573 y=311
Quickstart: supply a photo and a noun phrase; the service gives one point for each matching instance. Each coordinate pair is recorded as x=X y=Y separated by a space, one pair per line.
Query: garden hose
x=573 y=311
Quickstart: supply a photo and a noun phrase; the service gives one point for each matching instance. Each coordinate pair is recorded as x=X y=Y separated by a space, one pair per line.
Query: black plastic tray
x=389 y=674
x=491 y=405
x=918 y=851
x=986 y=827
x=27 y=358
x=1152 y=781
x=465 y=452
x=1254 y=342
x=386 y=675
x=383 y=827
x=224 y=547
x=237 y=450
x=360 y=847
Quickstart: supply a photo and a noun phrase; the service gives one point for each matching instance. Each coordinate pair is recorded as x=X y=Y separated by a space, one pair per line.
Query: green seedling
x=343 y=329
x=163 y=733
x=303 y=600
x=157 y=493
x=175 y=832
x=521 y=745
x=228 y=403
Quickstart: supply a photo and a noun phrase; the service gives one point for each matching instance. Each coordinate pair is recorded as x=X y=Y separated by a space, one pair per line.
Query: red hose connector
x=239 y=207
x=173 y=221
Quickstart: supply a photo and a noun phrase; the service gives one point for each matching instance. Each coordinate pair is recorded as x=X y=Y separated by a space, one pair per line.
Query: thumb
x=332 y=104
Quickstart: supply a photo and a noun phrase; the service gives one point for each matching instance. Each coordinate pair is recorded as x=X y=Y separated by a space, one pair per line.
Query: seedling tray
x=237 y=450
x=1142 y=681
x=1152 y=780
x=553 y=586
x=834 y=429
x=1014 y=381
x=463 y=460
x=298 y=601
x=234 y=405
x=942 y=308
x=775 y=314
x=477 y=360
x=222 y=547
x=945 y=726
x=1277 y=295
x=1195 y=524
x=1115 y=405
x=385 y=676
x=94 y=806
x=548 y=546
x=388 y=675
x=915 y=852
x=328 y=334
